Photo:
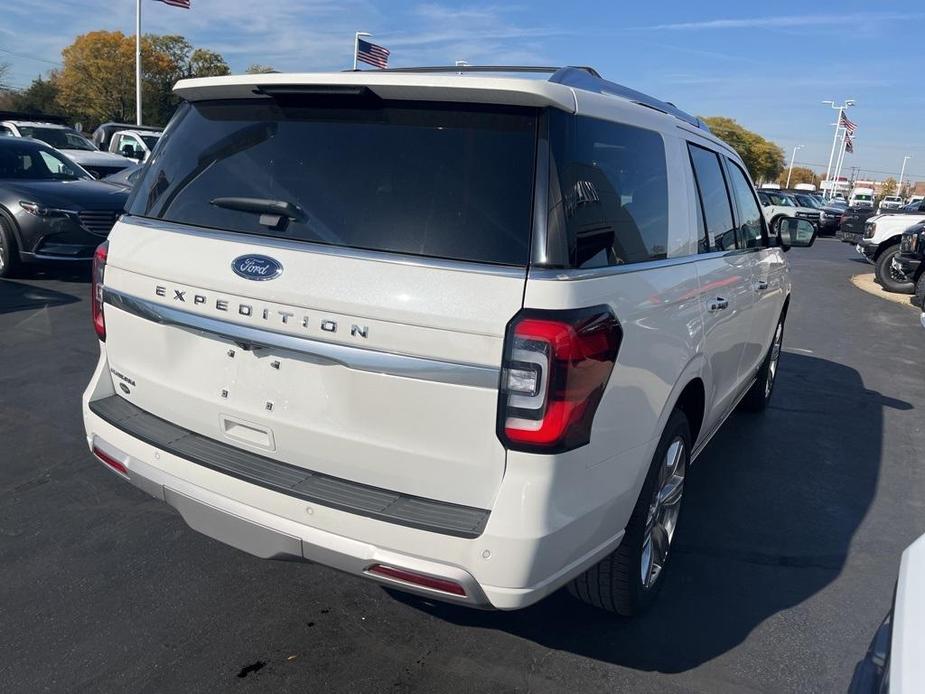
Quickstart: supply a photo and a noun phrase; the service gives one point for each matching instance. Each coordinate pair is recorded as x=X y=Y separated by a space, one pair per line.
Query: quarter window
x=608 y=191
x=714 y=198
x=750 y=235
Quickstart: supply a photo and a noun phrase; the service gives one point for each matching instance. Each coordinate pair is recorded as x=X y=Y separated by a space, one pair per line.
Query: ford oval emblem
x=256 y=267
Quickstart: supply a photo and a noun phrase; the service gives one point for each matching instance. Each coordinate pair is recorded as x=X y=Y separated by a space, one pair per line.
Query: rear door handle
x=719 y=304
x=761 y=285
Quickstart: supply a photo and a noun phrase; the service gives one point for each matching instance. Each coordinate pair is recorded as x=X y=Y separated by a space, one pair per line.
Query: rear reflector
x=110 y=461
x=441 y=584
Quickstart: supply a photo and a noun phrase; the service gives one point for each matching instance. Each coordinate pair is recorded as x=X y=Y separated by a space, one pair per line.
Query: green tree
x=888 y=187
x=258 y=69
x=763 y=159
x=800 y=174
x=97 y=81
x=39 y=97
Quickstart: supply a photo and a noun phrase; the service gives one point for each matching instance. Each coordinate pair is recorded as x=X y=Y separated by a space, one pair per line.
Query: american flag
x=847 y=124
x=376 y=56
x=176 y=3
x=849 y=144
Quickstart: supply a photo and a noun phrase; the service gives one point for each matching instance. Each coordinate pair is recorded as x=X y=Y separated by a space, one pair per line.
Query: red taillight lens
x=556 y=366
x=96 y=289
x=442 y=584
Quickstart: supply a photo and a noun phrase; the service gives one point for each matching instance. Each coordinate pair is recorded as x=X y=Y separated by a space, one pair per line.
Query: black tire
x=9 y=253
x=616 y=584
x=759 y=395
x=775 y=222
x=919 y=298
x=884 y=272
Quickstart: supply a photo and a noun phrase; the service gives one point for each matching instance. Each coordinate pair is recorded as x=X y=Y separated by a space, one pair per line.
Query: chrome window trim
x=268 y=243
x=357 y=358
x=546 y=274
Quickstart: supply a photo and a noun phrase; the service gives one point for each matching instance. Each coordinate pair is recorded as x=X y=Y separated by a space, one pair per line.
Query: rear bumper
x=546 y=527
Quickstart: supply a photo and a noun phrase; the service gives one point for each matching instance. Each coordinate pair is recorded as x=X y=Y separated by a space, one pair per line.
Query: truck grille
x=98 y=221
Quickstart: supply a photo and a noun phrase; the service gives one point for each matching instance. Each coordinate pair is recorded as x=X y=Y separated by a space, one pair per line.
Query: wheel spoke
x=662 y=516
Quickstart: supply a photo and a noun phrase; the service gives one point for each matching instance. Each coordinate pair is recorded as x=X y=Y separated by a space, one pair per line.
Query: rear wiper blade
x=273 y=213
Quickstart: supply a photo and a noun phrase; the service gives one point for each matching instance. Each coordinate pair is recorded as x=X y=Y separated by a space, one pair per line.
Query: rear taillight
x=96 y=289
x=556 y=366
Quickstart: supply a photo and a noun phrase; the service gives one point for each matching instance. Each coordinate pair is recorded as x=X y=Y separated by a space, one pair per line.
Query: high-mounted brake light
x=556 y=366
x=96 y=289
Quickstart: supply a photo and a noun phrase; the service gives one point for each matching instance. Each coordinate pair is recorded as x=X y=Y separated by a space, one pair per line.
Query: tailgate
x=359 y=366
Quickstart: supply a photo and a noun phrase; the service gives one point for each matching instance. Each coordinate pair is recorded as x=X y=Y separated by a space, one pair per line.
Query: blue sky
x=768 y=65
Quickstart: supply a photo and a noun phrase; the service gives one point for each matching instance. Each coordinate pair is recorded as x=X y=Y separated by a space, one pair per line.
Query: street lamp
x=790 y=170
x=902 y=173
x=841 y=109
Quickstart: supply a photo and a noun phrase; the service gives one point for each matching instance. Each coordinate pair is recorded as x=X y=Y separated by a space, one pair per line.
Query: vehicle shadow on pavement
x=770 y=511
x=17 y=296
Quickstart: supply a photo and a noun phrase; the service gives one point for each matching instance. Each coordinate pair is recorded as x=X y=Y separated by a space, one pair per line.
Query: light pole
x=902 y=173
x=841 y=109
x=790 y=169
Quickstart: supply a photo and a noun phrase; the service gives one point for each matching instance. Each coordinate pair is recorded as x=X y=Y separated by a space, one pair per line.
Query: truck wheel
x=759 y=395
x=775 y=224
x=9 y=255
x=887 y=276
x=919 y=298
x=627 y=580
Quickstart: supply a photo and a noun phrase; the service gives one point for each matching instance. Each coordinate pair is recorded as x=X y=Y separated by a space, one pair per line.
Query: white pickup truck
x=880 y=244
x=136 y=145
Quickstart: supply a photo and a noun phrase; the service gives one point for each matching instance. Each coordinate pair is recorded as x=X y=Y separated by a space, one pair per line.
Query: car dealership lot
x=785 y=561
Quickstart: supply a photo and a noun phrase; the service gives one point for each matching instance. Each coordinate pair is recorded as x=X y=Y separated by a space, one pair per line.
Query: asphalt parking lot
x=785 y=560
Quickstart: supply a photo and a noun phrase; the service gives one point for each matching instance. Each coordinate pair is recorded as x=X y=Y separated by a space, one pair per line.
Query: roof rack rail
x=484 y=68
x=580 y=79
x=576 y=76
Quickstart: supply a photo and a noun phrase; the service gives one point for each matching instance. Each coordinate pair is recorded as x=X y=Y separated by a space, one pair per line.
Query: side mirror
x=795 y=233
x=128 y=151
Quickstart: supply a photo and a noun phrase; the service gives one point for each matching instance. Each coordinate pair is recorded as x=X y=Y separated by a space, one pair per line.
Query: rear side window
x=714 y=198
x=438 y=180
x=608 y=191
x=750 y=234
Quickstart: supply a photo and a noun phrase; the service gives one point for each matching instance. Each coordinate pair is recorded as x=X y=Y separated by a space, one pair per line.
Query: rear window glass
x=439 y=180
x=609 y=190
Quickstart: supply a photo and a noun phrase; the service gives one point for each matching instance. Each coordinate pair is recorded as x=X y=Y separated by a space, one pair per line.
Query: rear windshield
x=437 y=180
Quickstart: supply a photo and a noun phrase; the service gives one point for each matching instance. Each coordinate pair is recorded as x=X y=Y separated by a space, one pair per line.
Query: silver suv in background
x=457 y=332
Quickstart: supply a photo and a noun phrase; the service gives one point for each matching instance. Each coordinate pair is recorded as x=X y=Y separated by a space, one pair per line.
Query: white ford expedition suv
x=460 y=334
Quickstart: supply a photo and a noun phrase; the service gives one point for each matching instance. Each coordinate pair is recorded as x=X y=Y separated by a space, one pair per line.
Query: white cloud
x=789 y=21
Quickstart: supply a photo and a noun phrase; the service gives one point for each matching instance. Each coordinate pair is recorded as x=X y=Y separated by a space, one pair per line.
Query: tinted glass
x=26 y=161
x=717 y=212
x=749 y=235
x=58 y=138
x=609 y=189
x=150 y=140
x=445 y=181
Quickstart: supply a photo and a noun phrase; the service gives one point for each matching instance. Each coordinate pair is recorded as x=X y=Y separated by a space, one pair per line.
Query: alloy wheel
x=662 y=519
x=775 y=358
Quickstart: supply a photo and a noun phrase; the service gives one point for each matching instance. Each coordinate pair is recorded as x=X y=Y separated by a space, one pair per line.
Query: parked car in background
x=805 y=187
x=861 y=197
x=69 y=142
x=853 y=220
x=890 y=202
x=778 y=205
x=910 y=260
x=126 y=178
x=880 y=244
x=530 y=424
x=894 y=662
x=50 y=208
x=828 y=218
x=102 y=136
x=134 y=144
x=914 y=199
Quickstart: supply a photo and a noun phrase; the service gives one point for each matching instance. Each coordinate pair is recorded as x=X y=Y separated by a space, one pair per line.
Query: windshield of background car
x=58 y=138
x=807 y=201
x=150 y=140
x=432 y=179
x=861 y=196
x=779 y=200
x=26 y=162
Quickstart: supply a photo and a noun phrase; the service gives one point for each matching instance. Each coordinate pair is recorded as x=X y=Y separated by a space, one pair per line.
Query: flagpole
x=137 y=62
x=356 y=46
x=841 y=156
